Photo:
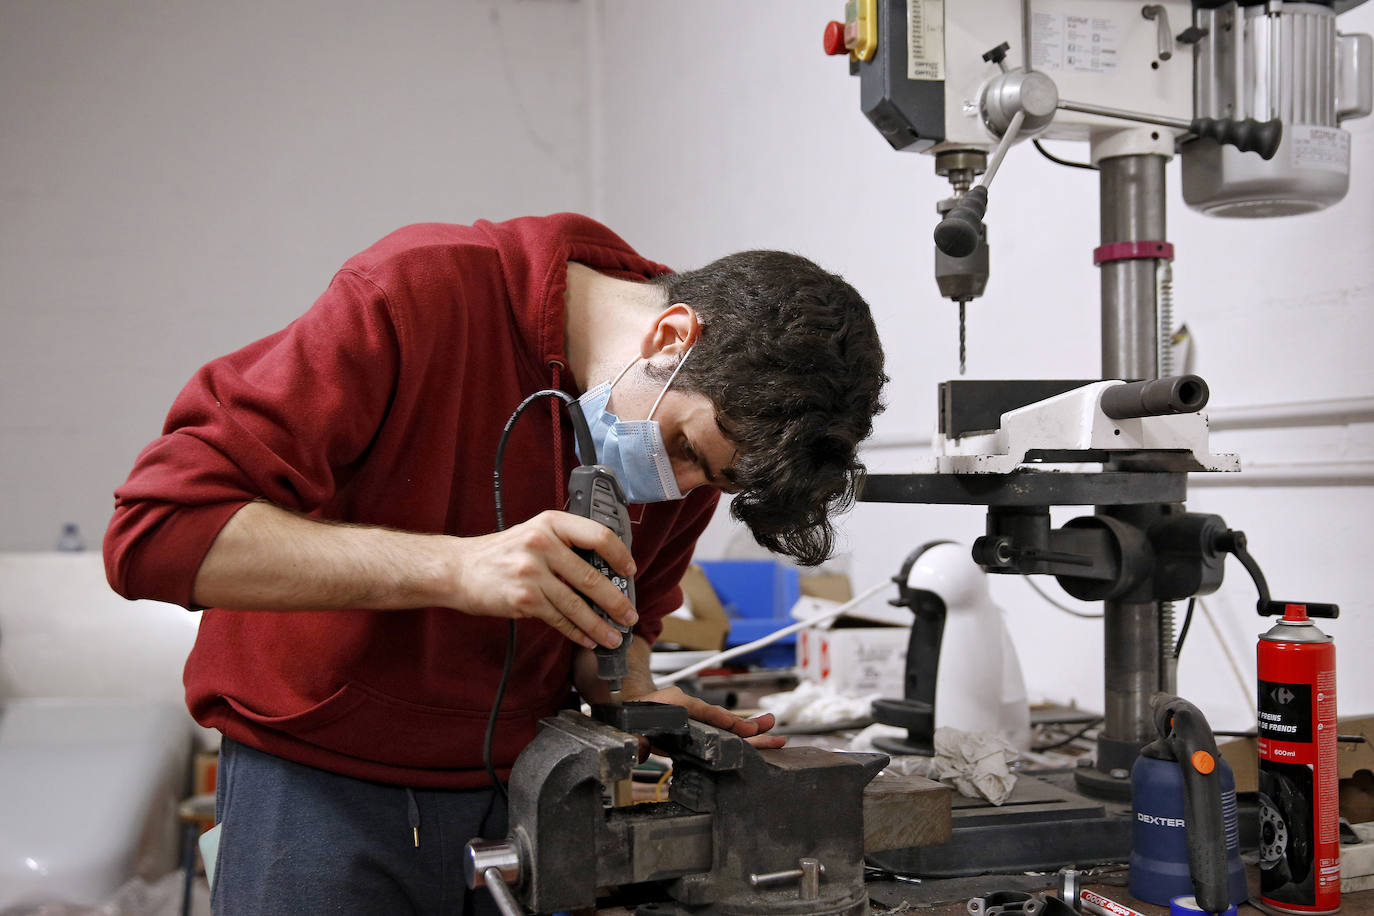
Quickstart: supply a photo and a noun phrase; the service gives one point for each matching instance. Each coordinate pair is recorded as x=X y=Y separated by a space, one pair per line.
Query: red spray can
x=1300 y=856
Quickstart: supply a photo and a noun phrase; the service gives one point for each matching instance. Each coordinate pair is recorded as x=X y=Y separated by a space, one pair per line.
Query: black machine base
x=1043 y=826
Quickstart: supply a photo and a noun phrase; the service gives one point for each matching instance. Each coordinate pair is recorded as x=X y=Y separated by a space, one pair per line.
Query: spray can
x=1300 y=856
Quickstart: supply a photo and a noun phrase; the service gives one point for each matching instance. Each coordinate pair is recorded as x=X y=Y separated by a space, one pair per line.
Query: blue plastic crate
x=756 y=595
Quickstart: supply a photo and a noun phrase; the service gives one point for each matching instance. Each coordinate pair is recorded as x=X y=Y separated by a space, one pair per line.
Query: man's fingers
x=583 y=577
x=764 y=721
x=592 y=535
x=567 y=607
x=537 y=605
x=751 y=730
x=719 y=716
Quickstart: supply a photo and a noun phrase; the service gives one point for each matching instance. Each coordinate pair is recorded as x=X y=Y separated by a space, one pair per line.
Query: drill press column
x=1132 y=208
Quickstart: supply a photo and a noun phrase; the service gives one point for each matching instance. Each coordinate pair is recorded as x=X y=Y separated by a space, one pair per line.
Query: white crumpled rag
x=814 y=705
x=975 y=764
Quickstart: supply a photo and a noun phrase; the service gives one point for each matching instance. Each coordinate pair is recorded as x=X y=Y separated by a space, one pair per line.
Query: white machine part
x=1096 y=52
x=1075 y=422
x=1285 y=61
x=980 y=687
x=1260 y=60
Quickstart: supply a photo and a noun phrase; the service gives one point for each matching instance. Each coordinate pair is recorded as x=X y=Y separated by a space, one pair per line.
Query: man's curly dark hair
x=789 y=356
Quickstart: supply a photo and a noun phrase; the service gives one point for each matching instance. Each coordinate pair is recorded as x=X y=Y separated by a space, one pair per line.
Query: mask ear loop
x=676 y=370
x=621 y=375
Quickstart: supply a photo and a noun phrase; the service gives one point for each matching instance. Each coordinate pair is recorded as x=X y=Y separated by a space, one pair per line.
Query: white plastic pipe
x=772 y=637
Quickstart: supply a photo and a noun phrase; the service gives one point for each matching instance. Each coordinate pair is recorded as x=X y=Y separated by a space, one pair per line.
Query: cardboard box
x=707 y=626
x=854 y=657
x=830 y=586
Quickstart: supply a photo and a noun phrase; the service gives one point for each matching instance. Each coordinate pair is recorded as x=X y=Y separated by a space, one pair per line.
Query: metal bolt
x=1120 y=774
x=809 y=875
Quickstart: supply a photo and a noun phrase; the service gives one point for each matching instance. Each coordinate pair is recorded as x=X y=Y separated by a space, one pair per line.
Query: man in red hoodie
x=325 y=494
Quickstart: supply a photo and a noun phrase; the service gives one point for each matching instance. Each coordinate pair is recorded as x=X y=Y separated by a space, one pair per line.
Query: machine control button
x=834 y=38
x=1203 y=762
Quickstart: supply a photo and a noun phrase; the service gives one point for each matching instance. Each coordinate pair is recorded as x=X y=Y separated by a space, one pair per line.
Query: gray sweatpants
x=295 y=839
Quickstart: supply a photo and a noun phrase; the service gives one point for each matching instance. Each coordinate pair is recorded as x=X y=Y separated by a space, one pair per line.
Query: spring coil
x=1164 y=336
x=1168 y=665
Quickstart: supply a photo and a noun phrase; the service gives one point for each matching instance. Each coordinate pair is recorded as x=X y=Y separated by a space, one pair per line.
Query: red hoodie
x=382 y=405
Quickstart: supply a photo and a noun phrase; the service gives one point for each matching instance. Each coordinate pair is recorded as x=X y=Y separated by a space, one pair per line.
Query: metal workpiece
x=1132 y=210
x=651 y=720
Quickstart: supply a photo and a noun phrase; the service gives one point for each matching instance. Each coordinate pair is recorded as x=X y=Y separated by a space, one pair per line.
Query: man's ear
x=674 y=331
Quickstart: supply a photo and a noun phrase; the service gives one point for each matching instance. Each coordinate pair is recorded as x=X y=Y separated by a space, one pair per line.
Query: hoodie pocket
x=363 y=722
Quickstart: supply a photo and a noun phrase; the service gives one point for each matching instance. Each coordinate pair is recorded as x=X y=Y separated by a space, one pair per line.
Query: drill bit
x=962 y=303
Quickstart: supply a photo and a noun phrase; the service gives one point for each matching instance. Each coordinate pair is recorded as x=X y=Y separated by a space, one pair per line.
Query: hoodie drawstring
x=559 y=495
x=413 y=812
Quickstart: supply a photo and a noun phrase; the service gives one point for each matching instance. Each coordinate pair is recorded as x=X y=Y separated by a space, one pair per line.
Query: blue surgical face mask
x=634 y=449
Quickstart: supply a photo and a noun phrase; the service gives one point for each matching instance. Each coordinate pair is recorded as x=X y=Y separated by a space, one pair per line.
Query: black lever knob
x=958 y=233
x=1248 y=136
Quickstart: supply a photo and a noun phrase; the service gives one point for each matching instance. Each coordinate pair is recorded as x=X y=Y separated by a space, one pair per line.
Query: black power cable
x=1039 y=749
x=580 y=428
x=1055 y=159
x=1183 y=631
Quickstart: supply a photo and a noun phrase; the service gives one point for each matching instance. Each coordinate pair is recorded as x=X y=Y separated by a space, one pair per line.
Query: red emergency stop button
x=834 y=38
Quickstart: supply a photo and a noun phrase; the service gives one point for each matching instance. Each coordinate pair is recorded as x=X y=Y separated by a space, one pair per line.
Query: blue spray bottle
x=1186 y=838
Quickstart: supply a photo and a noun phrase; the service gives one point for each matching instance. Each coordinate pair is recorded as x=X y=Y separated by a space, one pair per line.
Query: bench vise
x=745 y=832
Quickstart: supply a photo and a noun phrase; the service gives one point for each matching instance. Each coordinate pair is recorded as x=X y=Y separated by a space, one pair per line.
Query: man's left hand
x=752 y=730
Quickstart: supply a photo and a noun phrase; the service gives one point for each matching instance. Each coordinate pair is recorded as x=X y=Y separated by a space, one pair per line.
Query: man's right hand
x=532 y=570
x=267 y=558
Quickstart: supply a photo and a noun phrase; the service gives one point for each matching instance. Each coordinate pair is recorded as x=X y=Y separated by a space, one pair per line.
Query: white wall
x=726 y=127
x=182 y=178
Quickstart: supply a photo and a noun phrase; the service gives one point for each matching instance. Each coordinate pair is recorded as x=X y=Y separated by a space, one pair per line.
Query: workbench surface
x=949 y=897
